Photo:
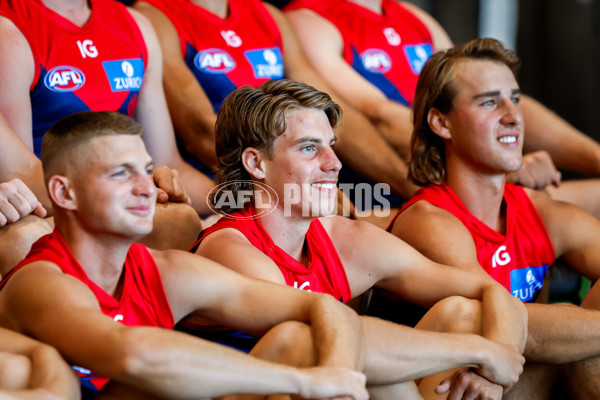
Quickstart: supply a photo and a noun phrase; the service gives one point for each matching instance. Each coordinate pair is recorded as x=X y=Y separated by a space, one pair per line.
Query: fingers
x=169 y=185
x=17 y=201
x=444 y=386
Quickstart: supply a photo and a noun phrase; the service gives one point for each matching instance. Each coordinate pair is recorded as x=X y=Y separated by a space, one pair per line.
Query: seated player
x=371 y=52
x=103 y=301
x=468 y=136
x=276 y=142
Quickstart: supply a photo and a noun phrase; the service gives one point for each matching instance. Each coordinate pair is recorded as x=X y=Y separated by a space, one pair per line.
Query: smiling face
x=304 y=168
x=484 y=129
x=113 y=190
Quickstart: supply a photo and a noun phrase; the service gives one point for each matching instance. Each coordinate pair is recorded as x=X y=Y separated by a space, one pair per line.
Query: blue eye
x=308 y=148
x=516 y=100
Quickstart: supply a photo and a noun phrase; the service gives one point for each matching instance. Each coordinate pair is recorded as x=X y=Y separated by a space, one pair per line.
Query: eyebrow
x=309 y=139
x=495 y=93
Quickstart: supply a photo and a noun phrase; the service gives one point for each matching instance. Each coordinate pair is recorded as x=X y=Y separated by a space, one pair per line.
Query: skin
x=101 y=210
x=303 y=155
x=361 y=144
x=477 y=165
x=550 y=139
x=18 y=72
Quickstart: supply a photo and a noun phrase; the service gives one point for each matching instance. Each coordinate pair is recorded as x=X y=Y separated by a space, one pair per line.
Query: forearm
x=175 y=365
x=338 y=335
x=568 y=147
x=396 y=353
x=394 y=122
x=562 y=333
x=504 y=317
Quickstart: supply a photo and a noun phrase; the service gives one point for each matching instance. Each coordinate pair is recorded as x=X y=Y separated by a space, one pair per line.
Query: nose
x=330 y=161
x=144 y=185
x=512 y=115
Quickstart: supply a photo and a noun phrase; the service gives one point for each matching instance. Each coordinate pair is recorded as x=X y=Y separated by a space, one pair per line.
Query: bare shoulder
x=436 y=233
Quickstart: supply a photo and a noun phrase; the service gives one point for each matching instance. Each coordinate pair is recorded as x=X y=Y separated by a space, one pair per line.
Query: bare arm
x=16 y=75
x=190 y=108
x=48 y=374
x=153 y=114
x=163 y=363
x=256 y=306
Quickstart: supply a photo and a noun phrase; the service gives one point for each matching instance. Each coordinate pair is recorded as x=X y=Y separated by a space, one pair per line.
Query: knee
x=458 y=315
x=288 y=343
x=15 y=370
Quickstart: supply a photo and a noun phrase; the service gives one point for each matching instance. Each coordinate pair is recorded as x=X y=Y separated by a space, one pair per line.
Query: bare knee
x=454 y=314
x=15 y=370
x=288 y=343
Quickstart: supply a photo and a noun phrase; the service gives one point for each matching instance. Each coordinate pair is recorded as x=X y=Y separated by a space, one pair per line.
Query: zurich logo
x=376 y=61
x=64 y=78
x=214 y=61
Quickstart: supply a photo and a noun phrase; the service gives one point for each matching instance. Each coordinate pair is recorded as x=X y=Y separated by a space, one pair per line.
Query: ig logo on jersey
x=376 y=61
x=214 y=61
x=64 y=78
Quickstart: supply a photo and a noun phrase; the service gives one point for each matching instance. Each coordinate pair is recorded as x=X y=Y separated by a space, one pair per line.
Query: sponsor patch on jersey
x=124 y=75
x=214 y=61
x=416 y=56
x=64 y=78
x=526 y=282
x=266 y=63
x=376 y=61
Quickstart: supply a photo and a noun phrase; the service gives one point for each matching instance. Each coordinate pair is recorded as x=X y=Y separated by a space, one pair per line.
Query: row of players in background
x=375 y=88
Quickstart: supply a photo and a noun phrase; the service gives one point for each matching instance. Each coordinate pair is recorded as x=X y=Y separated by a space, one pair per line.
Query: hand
x=18 y=201
x=504 y=366
x=466 y=384
x=537 y=172
x=169 y=186
x=333 y=383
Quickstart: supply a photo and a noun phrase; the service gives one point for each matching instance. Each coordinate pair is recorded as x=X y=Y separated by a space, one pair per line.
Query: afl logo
x=236 y=195
x=64 y=79
x=376 y=60
x=214 y=61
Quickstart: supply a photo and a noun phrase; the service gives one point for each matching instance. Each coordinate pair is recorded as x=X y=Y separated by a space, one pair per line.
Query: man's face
x=304 y=168
x=486 y=123
x=115 y=193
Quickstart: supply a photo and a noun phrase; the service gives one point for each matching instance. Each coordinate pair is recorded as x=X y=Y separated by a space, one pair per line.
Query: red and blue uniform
x=388 y=50
x=518 y=259
x=97 y=67
x=143 y=301
x=243 y=49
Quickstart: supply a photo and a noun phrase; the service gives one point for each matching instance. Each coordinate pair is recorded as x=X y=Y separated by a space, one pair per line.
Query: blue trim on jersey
x=379 y=80
x=56 y=106
x=216 y=86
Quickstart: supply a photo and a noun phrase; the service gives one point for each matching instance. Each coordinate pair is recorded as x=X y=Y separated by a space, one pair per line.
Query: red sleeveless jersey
x=98 y=67
x=143 y=301
x=518 y=259
x=324 y=274
x=388 y=50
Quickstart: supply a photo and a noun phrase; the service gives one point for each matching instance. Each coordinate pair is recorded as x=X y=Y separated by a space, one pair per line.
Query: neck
x=373 y=5
x=217 y=7
x=76 y=11
x=287 y=232
x=101 y=256
x=486 y=201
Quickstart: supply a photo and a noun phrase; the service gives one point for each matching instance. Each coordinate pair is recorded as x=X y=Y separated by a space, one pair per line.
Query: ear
x=252 y=159
x=60 y=189
x=438 y=123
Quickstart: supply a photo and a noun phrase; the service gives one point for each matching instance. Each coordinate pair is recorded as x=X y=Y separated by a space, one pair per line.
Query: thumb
x=443 y=387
